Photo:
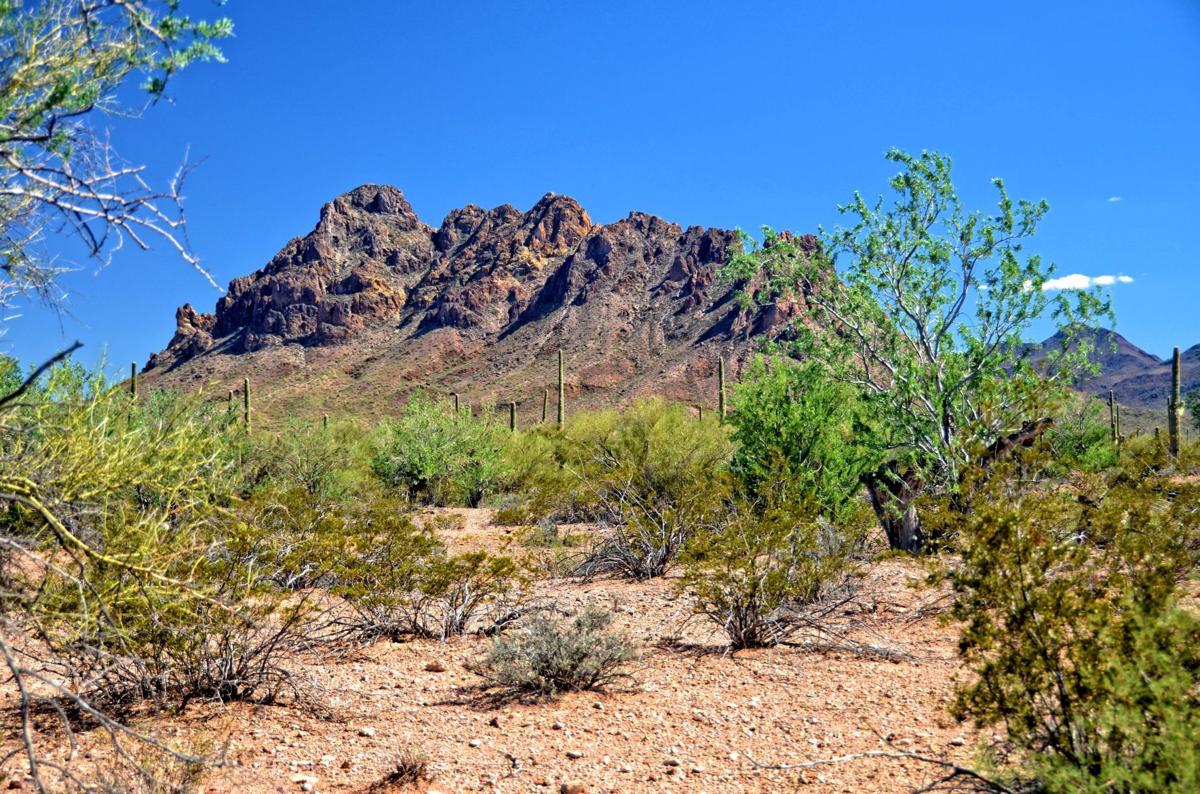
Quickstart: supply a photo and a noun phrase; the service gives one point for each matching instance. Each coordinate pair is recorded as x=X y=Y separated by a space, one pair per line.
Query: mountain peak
x=481 y=299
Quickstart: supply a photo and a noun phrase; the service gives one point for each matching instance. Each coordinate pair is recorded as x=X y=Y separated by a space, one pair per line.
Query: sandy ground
x=693 y=719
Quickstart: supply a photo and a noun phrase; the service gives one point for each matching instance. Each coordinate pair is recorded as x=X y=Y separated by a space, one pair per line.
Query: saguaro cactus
x=545 y=404
x=1175 y=405
x=246 y=402
x=324 y=421
x=1112 y=416
x=512 y=416
x=562 y=391
x=1119 y=436
x=133 y=379
x=455 y=396
x=721 y=389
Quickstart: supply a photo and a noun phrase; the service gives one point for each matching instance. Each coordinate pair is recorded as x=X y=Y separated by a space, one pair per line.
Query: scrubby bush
x=648 y=474
x=1075 y=626
x=1081 y=438
x=399 y=579
x=796 y=440
x=550 y=657
x=654 y=475
x=440 y=456
x=330 y=462
x=137 y=580
x=758 y=561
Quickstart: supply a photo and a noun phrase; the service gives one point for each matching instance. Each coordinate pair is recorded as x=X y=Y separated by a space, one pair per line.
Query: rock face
x=480 y=302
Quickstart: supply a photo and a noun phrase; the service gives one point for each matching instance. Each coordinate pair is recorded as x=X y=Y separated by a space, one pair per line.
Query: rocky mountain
x=1136 y=378
x=373 y=303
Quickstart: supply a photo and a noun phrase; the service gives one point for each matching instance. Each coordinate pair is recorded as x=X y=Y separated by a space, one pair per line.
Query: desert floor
x=693 y=718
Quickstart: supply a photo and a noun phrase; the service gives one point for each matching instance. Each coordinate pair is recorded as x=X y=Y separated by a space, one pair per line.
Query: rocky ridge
x=376 y=300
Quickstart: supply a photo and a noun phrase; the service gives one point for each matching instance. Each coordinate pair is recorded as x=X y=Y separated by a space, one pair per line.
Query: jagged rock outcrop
x=637 y=301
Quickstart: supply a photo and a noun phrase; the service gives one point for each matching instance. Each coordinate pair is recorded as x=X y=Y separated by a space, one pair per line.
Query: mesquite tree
x=63 y=63
x=922 y=306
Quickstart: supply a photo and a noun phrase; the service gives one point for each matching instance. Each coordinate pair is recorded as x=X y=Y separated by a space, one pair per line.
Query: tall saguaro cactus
x=246 y=402
x=512 y=416
x=721 y=389
x=1112 y=416
x=133 y=379
x=562 y=391
x=456 y=408
x=1175 y=404
x=545 y=404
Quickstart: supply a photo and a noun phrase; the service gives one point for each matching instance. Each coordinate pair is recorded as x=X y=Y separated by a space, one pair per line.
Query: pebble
x=574 y=754
x=366 y=731
x=475 y=743
x=671 y=762
x=573 y=787
x=558 y=726
x=435 y=667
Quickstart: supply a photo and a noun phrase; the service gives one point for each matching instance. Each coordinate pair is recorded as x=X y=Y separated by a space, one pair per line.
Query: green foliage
x=651 y=474
x=921 y=307
x=1081 y=438
x=796 y=434
x=139 y=582
x=63 y=63
x=440 y=456
x=548 y=657
x=1074 y=625
x=758 y=560
x=1191 y=401
x=330 y=462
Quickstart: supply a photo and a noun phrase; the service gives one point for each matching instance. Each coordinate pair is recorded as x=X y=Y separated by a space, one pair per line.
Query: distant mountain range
x=1135 y=377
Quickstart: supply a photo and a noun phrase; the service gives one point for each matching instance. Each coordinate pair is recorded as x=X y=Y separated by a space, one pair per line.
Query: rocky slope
x=1137 y=379
x=374 y=303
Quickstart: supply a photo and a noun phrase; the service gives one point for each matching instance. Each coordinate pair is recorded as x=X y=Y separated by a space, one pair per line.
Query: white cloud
x=1113 y=199
x=1080 y=281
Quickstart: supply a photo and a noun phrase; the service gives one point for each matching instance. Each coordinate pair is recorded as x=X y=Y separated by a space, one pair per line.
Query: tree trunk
x=893 y=496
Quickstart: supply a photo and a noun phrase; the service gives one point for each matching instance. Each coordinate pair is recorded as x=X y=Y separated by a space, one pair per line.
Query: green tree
x=63 y=63
x=921 y=306
x=1191 y=401
x=796 y=432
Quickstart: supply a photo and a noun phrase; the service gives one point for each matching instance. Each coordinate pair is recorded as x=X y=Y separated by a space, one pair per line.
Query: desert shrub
x=410 y=768
x=330 y=462
x=399 y=580
x=652 y=475
x=750 y=568
x=1075 y=627
x=550 y=657
x=1081 y=437
x=795 y=434
x=542 y=476
x=437 y=455
x=136 y=580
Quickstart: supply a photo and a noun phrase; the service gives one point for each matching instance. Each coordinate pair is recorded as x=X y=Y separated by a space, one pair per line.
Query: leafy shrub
x=759 y=560
x=795 y=434
x=331 y=463
x=1081 y=438
x=139 y=582
x=440 y=456
x=399 y=580
x=551 y=657
x=1074 y=627
x=652 y=475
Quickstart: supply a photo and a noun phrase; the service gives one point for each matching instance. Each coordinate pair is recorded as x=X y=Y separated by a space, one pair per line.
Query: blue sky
x=720 y=114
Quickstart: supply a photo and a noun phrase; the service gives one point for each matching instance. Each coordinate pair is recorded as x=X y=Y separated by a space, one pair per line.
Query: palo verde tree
x=63 y=62
x=922 y=307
